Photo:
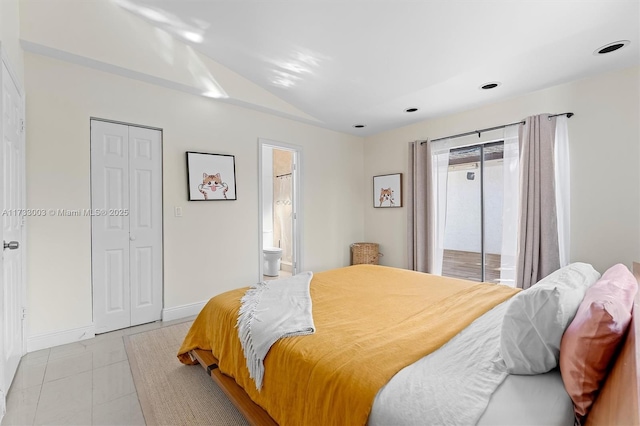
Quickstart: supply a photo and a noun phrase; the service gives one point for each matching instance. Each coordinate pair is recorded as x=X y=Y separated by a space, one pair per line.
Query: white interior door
x=126 y=198
x=145 y=221
x=265 y=199
x=110 y=233
x=294 y=212
x=12 y=226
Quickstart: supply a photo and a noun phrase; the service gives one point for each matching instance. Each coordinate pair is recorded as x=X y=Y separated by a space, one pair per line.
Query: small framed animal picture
x=387 y=190
x=211 y=177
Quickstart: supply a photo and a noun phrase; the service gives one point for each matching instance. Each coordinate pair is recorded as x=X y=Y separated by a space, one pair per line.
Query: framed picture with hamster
x=387 y=190
x=211 y=177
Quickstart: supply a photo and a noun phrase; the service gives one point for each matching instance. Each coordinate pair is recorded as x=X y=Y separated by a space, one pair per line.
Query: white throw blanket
x=269 y=311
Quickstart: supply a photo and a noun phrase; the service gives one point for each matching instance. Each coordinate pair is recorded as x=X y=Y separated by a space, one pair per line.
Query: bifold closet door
x=145 y=224
x=126 y=225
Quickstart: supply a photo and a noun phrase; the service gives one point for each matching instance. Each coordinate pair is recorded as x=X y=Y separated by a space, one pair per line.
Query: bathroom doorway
x=280 y=216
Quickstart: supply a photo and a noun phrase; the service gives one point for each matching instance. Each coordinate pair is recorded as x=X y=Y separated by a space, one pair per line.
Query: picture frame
x=387 y=190
x=211 y=177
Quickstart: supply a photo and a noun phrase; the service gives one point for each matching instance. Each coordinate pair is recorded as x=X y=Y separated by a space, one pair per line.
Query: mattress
x=465 y=382
x=332 y=376
x=528 y=400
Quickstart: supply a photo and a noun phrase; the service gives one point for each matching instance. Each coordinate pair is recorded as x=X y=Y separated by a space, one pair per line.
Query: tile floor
x=283 y=274
x=83 y=383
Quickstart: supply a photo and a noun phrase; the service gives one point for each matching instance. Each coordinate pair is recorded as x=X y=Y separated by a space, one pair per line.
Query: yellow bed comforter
x=371 y=321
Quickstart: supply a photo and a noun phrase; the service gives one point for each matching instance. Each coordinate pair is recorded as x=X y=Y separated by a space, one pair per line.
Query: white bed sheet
x=530 y=400
x=465 y=382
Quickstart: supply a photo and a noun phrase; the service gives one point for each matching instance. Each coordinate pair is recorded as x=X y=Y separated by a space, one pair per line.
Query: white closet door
x=126 y=184
x=145 y=223
x=110 y=233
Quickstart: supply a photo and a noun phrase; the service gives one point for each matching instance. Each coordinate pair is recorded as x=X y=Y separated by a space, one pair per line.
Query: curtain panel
x=438 y=181
x=418 y=219
x=510 y=205
x=563 y=184
x=538 y=252
x=428 y=169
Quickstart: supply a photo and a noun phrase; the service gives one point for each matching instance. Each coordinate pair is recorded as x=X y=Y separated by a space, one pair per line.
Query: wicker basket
x=365 y=253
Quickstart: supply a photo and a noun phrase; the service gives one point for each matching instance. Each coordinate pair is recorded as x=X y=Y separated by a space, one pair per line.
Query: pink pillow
x=591 y=340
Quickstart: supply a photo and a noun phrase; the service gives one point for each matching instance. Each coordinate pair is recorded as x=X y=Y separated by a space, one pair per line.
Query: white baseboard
x=184 y=311
x=57 y=338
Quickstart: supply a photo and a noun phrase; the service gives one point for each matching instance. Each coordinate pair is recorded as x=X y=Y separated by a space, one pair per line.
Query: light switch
x=178 y=211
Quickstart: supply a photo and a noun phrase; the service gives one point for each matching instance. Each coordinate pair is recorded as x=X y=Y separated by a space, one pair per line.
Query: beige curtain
x=538 y=253
x=419 y=218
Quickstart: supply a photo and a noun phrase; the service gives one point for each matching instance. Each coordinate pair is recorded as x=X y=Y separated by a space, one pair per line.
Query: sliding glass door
x=474 y=213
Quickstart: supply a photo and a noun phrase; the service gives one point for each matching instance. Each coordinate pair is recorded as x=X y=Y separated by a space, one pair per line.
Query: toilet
x=272 y=256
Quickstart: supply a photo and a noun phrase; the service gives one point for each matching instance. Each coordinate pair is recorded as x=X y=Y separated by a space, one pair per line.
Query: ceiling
x=365 y=61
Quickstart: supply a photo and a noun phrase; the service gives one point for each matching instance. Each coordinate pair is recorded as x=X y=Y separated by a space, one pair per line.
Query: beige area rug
x=170 y=392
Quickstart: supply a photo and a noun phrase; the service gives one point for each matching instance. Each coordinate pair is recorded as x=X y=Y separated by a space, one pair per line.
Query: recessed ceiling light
x=611 y=47
x=359 y=126
x=411 y=109
x=490 y=85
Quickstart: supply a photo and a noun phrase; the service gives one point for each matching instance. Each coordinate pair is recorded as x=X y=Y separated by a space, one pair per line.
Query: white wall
x=605 y=152
x=493 y=197
x=463 y=228
x=10 y=35
x=214 y=246
x=106 y=36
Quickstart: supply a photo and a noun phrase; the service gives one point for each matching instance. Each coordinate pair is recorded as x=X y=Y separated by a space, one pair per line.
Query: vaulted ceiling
x=366 y=61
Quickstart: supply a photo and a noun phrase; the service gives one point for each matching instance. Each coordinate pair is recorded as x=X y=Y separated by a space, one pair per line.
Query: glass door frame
x=480 y=146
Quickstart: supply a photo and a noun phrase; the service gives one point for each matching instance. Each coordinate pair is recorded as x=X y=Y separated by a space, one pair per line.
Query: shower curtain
x=282 y=216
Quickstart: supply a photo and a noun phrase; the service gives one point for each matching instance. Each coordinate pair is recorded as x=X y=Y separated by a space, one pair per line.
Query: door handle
x=11 y=245
x=132 y=238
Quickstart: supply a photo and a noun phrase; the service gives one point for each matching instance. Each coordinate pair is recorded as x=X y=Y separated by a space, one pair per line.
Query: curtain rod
x=568 y=114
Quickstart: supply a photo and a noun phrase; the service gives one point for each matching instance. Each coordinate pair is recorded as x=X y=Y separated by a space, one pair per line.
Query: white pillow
x=536 y=319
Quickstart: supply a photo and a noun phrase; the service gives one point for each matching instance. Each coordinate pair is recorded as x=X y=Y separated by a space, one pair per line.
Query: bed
x=324 y=389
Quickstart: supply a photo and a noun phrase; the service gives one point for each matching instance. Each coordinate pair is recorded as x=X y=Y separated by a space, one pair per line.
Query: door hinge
x=22 y=125
x=24 y=313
